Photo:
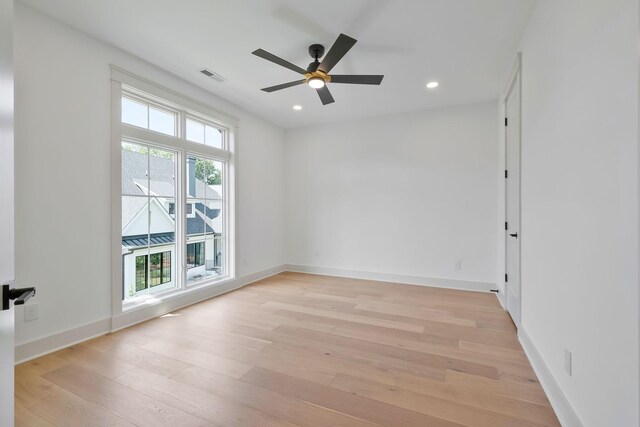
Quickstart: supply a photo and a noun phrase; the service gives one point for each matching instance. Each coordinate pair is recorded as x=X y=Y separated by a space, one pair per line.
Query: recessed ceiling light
x=297 y=107
x=432 y=85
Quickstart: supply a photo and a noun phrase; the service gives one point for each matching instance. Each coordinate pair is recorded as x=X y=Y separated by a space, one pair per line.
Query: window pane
x=166 y=267
x=195 y=223
x=195 y=131
x=135 y=244
x=204 y=178
x=148 y=227
x=162 y=173
x=154 y=269
x=219 y=255
x=193 y=186
x=213 y=173
x=205 y=226
x=213 y=255
x=213 y=137
x=195 y=254
x=162 y=121
x=134 y=113
x=135 y=165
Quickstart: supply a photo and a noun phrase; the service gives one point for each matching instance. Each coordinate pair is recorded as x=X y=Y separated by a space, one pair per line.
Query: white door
x=6 y=208
x=512 y=195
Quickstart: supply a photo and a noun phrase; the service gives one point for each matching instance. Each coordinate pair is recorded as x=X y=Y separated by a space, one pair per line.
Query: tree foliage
x=206 y=171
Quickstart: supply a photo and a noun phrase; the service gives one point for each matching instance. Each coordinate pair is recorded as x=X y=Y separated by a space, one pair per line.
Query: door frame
x=7 y=194
x=515 y=75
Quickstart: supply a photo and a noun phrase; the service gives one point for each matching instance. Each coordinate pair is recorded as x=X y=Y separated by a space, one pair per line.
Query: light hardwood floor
x=297 y=350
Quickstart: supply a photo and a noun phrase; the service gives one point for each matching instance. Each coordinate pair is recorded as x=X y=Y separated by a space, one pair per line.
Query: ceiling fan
x=317 y=73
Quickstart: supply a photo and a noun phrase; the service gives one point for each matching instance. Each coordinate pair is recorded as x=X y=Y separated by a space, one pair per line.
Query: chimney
x=191 y=176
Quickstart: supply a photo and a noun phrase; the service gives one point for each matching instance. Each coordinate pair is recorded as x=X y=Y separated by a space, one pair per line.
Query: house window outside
x=141 y=273
x=195 y=254
x=174 y=210
x=157 y=273
x=160 y=268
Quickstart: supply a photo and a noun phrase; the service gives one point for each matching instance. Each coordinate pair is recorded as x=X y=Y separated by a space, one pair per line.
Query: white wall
x=580 y=201
x=63 y=173
x=407 y=194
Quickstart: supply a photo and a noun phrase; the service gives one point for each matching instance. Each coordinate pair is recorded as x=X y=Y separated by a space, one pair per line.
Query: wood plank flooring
x=297 y=350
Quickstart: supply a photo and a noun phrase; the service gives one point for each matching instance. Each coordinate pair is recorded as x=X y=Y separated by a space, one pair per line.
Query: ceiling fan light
x=316 y=82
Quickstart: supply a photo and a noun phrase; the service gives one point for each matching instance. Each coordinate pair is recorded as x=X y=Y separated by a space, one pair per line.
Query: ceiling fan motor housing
x=316 y=51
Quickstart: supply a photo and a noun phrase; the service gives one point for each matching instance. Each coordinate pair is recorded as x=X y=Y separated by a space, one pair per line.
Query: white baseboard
x=559 y=402
x=42 y=346
x=466 y=285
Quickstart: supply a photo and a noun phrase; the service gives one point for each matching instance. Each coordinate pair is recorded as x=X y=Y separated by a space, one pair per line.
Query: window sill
x=151 y=300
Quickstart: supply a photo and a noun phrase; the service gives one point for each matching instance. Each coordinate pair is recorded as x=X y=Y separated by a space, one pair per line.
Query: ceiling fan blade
x=356 y=79
x=340 y=47
x=276 y=60
x=283 y=86
x=325 y=95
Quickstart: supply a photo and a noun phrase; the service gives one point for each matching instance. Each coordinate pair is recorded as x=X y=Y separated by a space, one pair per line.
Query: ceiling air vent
x=215 y=76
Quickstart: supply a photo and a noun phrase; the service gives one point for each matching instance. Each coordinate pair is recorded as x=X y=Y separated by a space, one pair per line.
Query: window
x=141 y=273
x=203 y=133
x=175 y=214
x=160 y=268
x=149 y=187
x=195 y=254
x=158 y=272
x=205 y=192
x=148 y=116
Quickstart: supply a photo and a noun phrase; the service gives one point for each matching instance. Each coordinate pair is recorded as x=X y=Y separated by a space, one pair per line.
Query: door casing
x=6 y=209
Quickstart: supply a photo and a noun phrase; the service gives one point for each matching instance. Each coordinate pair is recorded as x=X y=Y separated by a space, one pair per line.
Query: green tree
x=207 y=171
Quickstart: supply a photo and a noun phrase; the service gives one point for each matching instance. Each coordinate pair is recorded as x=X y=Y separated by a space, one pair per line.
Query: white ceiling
x=466 y=45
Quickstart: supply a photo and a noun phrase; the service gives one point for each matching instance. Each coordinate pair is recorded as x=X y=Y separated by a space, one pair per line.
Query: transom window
x=175 y=166
x=148 y=116
x=201 y=132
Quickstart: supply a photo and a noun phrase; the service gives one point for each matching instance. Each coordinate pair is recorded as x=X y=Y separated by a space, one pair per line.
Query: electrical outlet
x=458 y=265
x=567 y=361
x=30 y=312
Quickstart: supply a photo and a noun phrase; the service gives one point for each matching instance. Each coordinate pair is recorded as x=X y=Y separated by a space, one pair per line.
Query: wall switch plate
x=567 y=361
x=458 y=265
x=30 y=312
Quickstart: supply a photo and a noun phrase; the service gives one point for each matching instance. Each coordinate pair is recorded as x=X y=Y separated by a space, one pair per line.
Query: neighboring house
x=148 y=225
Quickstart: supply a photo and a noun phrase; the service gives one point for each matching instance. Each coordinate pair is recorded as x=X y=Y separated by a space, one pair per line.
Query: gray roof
x=158 y=239
x=134 y=169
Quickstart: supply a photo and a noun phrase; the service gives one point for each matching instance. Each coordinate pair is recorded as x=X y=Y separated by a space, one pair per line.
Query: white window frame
x=125 y=83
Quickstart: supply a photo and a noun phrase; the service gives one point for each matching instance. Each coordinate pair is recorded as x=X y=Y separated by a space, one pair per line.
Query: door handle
x=514 y=235
x=20 y=295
